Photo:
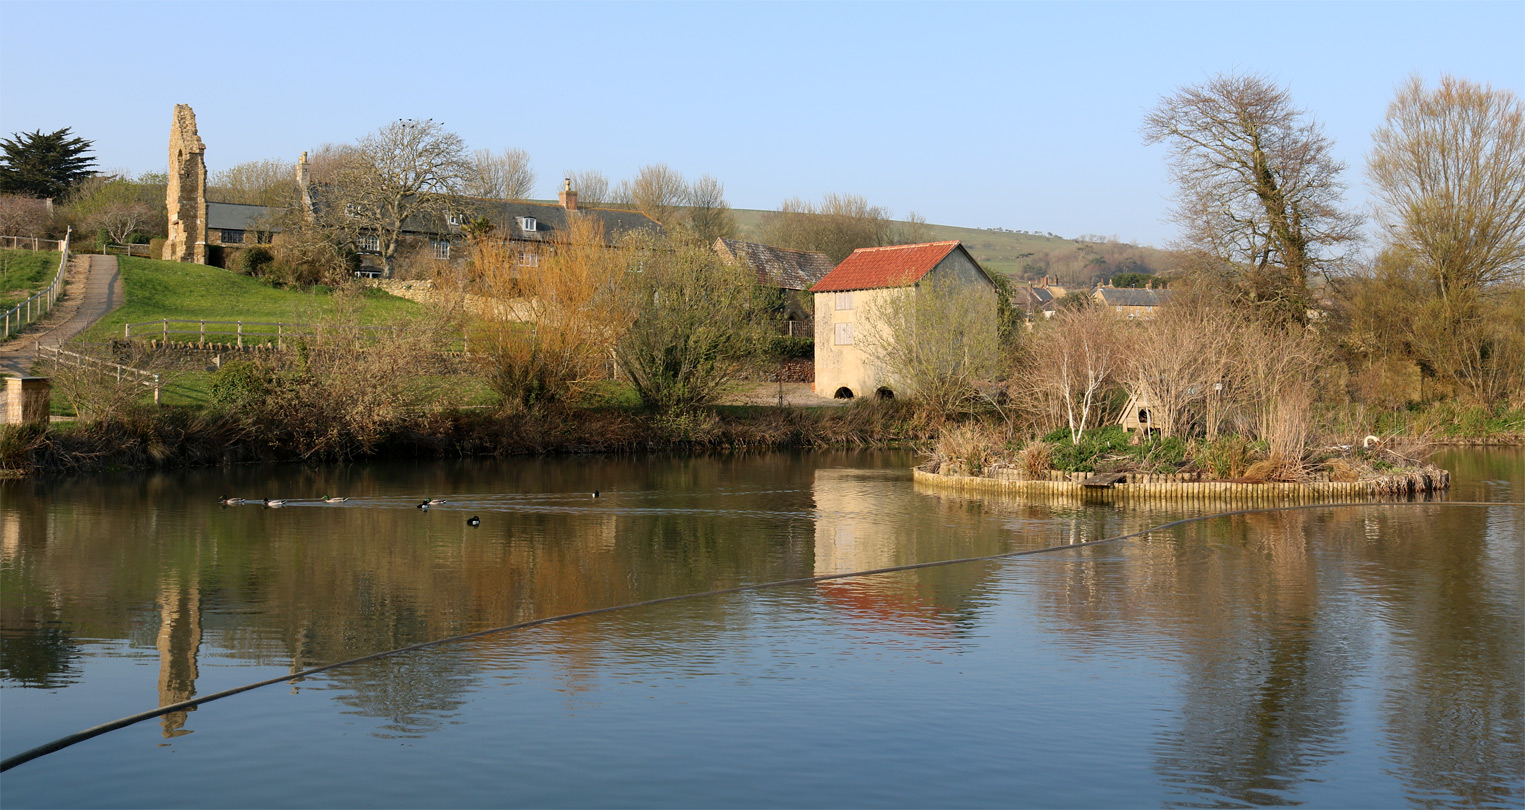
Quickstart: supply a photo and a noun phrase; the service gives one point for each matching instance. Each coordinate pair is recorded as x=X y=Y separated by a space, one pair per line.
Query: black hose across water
x=95 y=731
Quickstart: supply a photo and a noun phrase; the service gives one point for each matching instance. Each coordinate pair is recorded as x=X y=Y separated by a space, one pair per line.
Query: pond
x=1350 y=656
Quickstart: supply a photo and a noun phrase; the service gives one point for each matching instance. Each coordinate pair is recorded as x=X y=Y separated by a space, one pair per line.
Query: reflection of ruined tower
x=187 y=192
x=179 y=646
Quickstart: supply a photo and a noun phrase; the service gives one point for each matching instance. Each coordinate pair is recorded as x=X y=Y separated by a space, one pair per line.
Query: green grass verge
x=23 y=273
x=158 y=289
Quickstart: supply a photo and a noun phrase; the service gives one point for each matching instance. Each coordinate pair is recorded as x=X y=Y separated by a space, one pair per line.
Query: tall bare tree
x=709 y=215
x=1258 y=187
x=255 y=182
x=658 y=191
x=1076 y=358
x=405 y=172
x=838 y=225
x=592 y=188
x=1448 y=166
x=504 y=175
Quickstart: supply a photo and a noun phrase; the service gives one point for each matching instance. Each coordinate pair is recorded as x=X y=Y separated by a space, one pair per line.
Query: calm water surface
x=1332 y=657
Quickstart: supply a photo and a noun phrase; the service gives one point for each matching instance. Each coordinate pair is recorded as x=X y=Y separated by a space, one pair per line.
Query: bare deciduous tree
x=1448 y=166
x=1174 y=361
x=840 y=224
x=255 y=182
x=119 y=219
x=22 y=216
x=1258 y=187
x=404 y=172
x=1077 y=356
x=935 y=342
x=504 y=175
x=657 y=191
x=709 y=215
x=592 y=188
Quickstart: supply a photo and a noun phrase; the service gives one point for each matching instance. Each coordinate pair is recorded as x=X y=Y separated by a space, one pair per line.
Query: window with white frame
x=441 y=248
x=527 y=224
x=368 y=241
x=843 y=335
x=845 y=301
x=529 y=258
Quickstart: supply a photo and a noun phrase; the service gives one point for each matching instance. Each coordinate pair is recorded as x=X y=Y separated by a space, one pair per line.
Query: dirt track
x=92 y=288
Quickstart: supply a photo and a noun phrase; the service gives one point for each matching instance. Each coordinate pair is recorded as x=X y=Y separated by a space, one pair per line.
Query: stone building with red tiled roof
x=877 y=277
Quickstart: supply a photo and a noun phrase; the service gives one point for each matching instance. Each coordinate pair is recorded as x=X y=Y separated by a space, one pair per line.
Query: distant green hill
x=1026 y=255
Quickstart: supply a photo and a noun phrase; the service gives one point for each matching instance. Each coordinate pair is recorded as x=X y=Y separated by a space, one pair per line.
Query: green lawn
x=159 y=289
x=23 y=273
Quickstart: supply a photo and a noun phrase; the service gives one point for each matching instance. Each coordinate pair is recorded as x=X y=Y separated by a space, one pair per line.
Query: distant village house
x=792 y=271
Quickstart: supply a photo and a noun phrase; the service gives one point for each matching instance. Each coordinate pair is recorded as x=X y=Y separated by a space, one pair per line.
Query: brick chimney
x=568 y=197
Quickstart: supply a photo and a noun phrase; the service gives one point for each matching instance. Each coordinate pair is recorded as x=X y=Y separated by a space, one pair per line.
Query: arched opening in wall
x=843 y=393
x=884 y=393
x=1143 y=418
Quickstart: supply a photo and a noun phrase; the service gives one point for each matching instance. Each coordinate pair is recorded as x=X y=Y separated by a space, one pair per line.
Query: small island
x=1115 y=464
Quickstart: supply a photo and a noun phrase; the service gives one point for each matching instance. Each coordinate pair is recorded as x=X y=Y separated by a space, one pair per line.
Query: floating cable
x=95 y=731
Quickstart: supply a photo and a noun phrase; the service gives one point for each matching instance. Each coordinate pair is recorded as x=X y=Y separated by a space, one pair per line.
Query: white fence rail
x=63 y=356
x=253 y=332
x=30 y=310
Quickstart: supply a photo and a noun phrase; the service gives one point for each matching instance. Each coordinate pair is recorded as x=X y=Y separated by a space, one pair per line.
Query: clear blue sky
x=1020 y=115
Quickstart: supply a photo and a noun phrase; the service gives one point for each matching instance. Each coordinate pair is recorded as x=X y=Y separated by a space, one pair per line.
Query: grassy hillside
x=158 y=289
x=1025 y=255
x=24 y=272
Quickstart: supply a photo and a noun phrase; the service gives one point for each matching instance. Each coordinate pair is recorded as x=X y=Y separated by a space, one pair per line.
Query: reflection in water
x=1288 y=642
x=179 y=643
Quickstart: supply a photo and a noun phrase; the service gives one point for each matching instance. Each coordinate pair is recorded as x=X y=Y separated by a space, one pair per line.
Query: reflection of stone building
x=179 y=644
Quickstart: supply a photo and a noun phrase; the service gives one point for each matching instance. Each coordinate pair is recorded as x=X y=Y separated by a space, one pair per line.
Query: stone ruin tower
x=187 y=192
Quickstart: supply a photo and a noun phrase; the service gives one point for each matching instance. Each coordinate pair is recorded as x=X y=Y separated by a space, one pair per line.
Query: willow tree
x=693 y=323
x=547 y=330
x=1448 y=168
x=1258 y=189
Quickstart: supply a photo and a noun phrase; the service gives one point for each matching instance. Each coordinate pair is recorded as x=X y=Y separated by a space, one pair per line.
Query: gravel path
x=92 y=288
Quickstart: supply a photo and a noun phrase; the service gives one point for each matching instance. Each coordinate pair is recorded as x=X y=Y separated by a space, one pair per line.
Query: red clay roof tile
x=892 y=266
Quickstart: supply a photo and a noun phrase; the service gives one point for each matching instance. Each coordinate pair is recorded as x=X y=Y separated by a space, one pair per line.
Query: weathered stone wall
x=424 y=292
x=186 y=194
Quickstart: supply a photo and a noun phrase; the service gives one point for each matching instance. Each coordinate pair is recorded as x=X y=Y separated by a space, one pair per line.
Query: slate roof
x=1128 y=297
x=240 y=217
x=892 y=266
x=550 y=218
x=1033 y=297
x=775 y=267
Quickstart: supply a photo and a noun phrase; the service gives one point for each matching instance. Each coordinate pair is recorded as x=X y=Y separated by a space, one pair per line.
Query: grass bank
x=144 y=438
x=155 y=289
x=23 y=273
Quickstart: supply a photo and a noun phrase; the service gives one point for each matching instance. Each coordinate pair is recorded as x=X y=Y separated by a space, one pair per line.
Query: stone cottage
x=872 y=277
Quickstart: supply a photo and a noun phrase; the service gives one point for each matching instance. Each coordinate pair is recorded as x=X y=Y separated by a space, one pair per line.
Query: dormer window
x=527 y=224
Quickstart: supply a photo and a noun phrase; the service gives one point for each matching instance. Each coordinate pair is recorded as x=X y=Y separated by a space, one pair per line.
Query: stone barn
x=845 y=366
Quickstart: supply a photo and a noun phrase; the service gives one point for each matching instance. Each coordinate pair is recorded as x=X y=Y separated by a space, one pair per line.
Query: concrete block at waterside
x=27 y=400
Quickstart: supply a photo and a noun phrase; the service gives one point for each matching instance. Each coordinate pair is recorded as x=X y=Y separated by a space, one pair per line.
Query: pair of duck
x=274 y=502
